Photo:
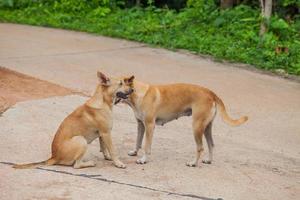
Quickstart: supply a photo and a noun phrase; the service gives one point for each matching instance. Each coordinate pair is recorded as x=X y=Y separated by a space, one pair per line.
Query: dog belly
x=161 y=120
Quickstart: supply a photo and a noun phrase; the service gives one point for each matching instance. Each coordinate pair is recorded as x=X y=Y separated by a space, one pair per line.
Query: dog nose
x=121 y=95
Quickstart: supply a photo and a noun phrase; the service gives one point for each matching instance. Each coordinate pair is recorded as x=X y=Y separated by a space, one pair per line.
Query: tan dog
x=159 y=104
x=88 y=122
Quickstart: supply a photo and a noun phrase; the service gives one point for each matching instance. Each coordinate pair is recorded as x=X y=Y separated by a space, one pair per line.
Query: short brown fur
x=159 y=104
x=88 y=122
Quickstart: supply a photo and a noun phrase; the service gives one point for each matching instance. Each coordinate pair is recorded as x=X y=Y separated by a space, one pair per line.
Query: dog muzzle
x=121 y=95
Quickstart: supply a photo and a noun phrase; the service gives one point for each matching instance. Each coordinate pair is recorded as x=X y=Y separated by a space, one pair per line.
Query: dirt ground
x=258 y=160
x=16 y=87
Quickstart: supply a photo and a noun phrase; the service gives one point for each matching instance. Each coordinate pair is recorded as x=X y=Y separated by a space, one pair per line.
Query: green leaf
x=279 y=24
x=219 y=21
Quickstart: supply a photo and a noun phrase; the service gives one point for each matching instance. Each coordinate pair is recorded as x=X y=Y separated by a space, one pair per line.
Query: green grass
x=231 y=35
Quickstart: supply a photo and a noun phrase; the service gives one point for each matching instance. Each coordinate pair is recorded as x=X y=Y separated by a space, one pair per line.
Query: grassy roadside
x=231 y=35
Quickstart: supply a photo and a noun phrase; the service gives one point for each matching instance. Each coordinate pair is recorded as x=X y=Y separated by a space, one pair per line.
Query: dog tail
x=225 y=116
x=50 y=161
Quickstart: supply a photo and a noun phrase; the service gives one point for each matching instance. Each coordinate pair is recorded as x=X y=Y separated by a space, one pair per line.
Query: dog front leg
x=147 y=147
x=104 y=150
x=139 y=139
x=106 y=137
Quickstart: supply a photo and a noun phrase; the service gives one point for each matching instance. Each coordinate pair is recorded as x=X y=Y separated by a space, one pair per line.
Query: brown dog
x=159 y=104
x=88 y=122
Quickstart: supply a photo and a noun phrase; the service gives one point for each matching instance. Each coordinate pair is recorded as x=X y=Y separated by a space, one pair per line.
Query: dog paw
x=79 y=164
x=107 y=157
x=119 y=164
x=142 y=160
x=132 y=153
x=191 y=164
x=206 y=162
x=90 y=163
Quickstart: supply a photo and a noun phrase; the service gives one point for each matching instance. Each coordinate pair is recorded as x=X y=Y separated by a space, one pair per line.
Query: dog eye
x=121 y=83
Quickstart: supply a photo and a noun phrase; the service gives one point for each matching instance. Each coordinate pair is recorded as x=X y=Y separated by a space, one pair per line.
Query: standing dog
x=159 y=104
x=88 y=122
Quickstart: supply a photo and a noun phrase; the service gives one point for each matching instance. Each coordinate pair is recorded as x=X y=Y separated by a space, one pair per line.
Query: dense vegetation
x=200 y=26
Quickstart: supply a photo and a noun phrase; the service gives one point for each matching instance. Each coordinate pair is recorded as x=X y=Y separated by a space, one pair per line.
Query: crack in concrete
x=73 y=53
x=98 y=178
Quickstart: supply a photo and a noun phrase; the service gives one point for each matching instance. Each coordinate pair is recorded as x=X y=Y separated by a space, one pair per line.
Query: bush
x=201 y=27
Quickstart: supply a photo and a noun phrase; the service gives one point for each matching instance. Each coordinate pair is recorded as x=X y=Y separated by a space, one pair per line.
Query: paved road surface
x=259 y=160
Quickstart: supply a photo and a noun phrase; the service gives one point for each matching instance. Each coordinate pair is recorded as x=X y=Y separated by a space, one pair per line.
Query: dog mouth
x=122 y=96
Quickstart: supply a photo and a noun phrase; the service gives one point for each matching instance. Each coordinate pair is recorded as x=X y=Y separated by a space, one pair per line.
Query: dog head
x=127 y=82
x=118 y=88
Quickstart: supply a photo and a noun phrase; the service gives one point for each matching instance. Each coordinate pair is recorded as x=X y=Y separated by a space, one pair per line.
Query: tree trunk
x=266 y=12
x=226 y=4
x=138 y=3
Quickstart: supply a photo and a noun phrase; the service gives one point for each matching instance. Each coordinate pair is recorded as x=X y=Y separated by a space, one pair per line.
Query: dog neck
x=140 y=90
x=100 y=98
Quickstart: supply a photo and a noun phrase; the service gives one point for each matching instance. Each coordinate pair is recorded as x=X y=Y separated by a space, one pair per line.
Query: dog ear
x=130 y=79
x=104 y=80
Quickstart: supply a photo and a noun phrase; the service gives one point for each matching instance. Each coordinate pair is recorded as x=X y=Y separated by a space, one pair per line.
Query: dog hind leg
x=73 y=151
x=201 y=120
x=210 y=143
x=80 y=143
x=198 y=133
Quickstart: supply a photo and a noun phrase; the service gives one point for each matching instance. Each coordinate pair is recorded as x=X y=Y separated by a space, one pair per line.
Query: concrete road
x=259 y=160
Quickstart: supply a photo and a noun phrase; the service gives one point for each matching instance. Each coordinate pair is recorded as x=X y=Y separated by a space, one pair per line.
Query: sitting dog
x=159 y=104
x=88 y=122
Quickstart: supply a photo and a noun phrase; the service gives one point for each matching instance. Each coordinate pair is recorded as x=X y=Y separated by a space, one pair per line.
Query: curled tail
x=225 y=117
x=50 y=161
